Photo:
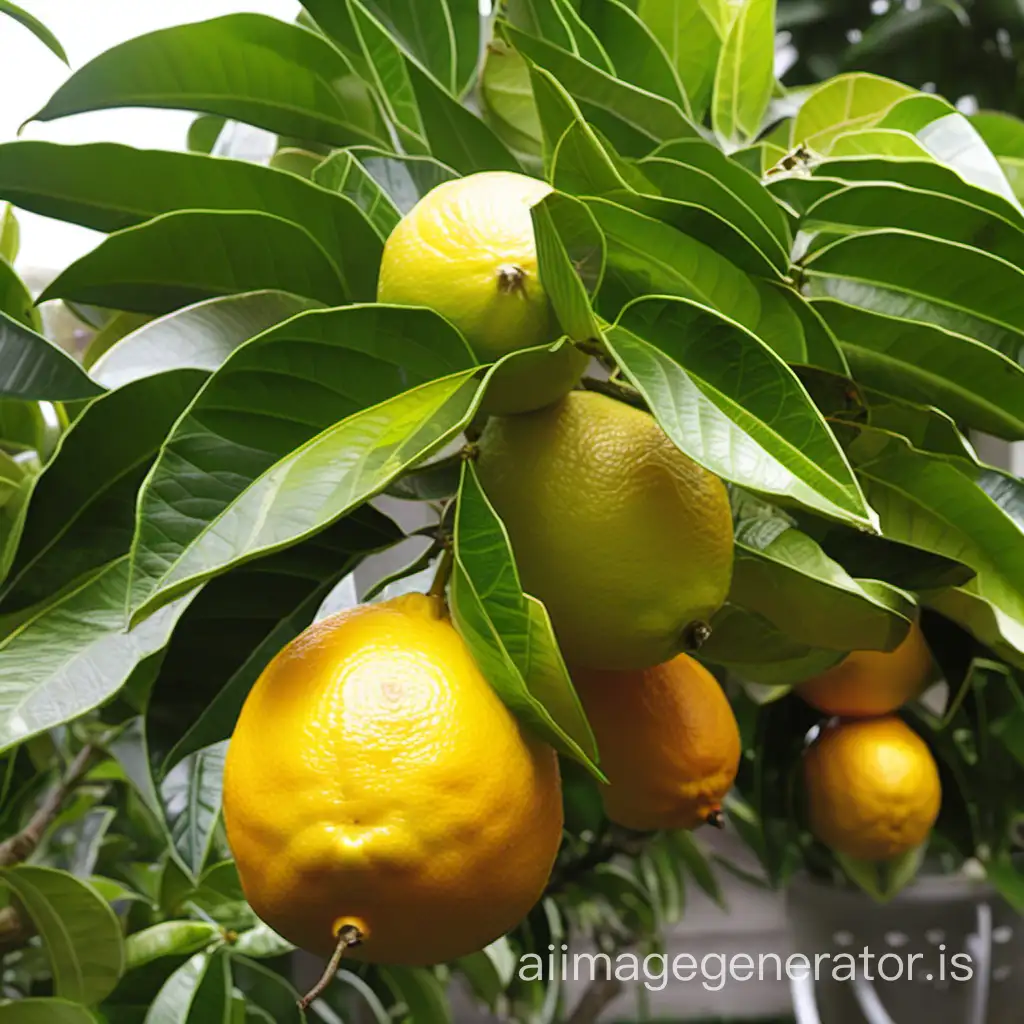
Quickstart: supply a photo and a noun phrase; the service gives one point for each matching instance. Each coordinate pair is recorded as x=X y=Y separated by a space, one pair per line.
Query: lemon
x=467 y=251
x=375 y=780
x=627 y=541
x=872 y=682
x=873 y=789
x=668 y=741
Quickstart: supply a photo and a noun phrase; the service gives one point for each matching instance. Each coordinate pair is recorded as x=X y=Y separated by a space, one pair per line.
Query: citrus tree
x=802 y=306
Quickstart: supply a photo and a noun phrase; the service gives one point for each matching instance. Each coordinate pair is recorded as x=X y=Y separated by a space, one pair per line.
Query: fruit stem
x=716 y=818
x=348 y=936
x=611 y=388
x=444 y=571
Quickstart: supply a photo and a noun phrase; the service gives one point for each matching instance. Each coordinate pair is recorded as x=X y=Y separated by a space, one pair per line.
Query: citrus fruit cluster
x=872 y=784
x=377 y=791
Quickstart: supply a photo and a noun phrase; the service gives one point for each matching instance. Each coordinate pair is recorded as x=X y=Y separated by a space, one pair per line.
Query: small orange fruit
x=872 y=682
x=668 y=742
x=873 y=789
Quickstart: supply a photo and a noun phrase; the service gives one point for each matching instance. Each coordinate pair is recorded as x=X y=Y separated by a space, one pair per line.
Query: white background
x=29 y=74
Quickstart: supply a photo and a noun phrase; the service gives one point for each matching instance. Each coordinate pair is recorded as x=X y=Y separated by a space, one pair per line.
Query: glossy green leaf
x=109 y=187
x=747 y=188
x=169 y=938
x=926 y=279
x=198 y=992
x=887 y=142
x=35 y=26
x=81 y=513
x=489 y=971
x=181 y=258
x=268 y=991
x=34 y=368
x=569 y=244
x=239 y=622
x=191 y=793
x=733 y=406
x=783 y=575
x=842 y=104
x=332 y=365
x=198 y=337
x=678 y=181
x=343 y=173
x=691 y=34
x=648 y=257
x=635 y=51
x=456 y=136
x=925 y=363
x=653 y=117
x=745 y=76
x=790 y=324
x=404 y=179
x=1004 y=136
x=45 y=1011
x=261 y=941
x=15 y=299
x=248 y=67
x=511 y=639
x=81 y=935
x=10 y=234
x=74 y=654
x=882 y=205
x=506 y=98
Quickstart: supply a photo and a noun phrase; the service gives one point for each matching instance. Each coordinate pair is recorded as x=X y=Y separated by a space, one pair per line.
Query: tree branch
x=600 y=994
x=23 y=844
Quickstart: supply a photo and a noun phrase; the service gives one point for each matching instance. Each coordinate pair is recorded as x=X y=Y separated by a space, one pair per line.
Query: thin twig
x=600 y=994
x=348 y=937
x=444 y=570
x=622 y=392
x=22 y=845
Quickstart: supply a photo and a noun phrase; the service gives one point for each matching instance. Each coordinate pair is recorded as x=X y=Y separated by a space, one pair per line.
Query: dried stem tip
x=348 y=936
x=716 y=818
x=696 y=635
x=510 y=278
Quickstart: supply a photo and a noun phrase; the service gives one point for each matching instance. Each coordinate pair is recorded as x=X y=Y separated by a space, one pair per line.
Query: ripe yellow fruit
x=668 y=741
x=872 y=682
x=375 y=779
x=627 y=541
x=467 y=250
x=873 y=789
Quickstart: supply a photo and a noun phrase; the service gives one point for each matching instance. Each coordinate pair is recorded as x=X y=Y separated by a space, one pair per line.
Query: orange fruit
x=375 y=780
x=668 y=741
x=872 y=682
x=873 y=789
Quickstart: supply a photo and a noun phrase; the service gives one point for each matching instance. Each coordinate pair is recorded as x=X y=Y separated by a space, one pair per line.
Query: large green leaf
x=509 y=632
x=420 y=991
x=198 y=337
x=647 y=114
x=198 y=992
x=691 y=34
x=81 y=514
x=733 y=406
x=75 y=654
x=1004 y=136
x=745 y=76
x=506 y=99
x=343 y=173
x=45 y=1011
x=634 y=50
x=242 y=619
x=240 y=437
x=15 y=298
x=34 y=368
x=180 y=258
x=456 y=136
x=844 y=103
x=404 y=179
x=169 y=938
x=80 y=933
x=35 y=26
x=268 y=990
x=249 y=67
x=925 y=363
x=191 y=794
x=648 y=257
x=940 y=281
x=884 y=205
x=10 y=234
x=783 y=575
x=108 y=187
x=956 y=508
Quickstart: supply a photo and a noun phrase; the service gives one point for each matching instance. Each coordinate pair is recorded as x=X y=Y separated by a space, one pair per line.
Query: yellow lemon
x=467 y=250
x=668 y=741
x=873 y=789
x=375 y=780
x=626 y=540
x=872 y=682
